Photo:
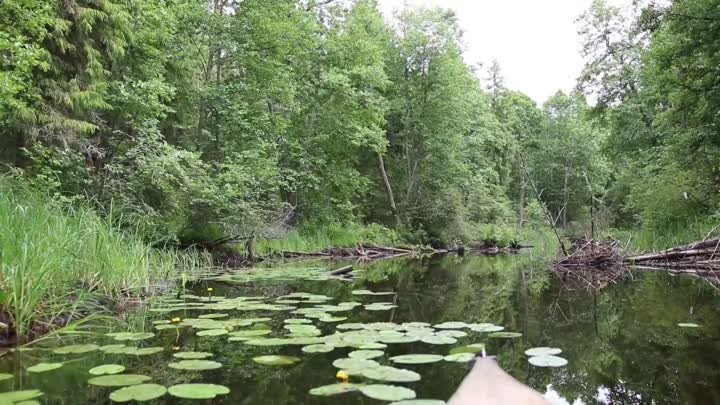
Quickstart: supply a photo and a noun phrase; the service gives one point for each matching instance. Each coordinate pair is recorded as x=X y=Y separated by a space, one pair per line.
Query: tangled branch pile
x=593 y=253
x=704 y=254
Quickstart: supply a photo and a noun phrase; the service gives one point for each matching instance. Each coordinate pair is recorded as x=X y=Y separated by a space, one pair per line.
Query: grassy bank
x=56 y=262
x=642 y=240
x=317 y=238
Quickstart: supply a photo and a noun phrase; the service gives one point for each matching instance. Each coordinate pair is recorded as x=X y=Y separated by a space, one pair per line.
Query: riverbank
x=59 y=264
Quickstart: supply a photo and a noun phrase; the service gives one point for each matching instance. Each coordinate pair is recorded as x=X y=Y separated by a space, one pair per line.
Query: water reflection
x=622 y=342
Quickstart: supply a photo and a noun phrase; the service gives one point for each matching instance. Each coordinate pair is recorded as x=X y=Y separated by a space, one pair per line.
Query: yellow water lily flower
x=342 y=376
x=175 y=320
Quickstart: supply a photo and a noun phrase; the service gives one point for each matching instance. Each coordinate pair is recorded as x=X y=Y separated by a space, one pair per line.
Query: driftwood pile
x=598 y=263
x=368 y=252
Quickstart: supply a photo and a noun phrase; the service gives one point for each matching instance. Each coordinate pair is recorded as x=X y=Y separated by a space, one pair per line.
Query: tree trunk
x=522 y=200
x=388 y=189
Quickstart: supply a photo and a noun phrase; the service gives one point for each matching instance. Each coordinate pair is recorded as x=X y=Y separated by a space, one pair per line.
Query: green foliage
x=49 y=253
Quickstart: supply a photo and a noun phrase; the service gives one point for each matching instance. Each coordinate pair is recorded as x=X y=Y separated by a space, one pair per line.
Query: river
x=622 y=342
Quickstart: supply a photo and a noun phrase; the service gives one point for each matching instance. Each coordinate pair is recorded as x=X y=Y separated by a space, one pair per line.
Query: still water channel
x=622 y=342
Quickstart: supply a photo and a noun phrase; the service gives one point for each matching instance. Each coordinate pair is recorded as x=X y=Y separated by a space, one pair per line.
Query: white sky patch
x=535 y=41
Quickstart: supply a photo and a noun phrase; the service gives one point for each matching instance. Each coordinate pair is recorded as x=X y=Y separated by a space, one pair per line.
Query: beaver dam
x=606 y=261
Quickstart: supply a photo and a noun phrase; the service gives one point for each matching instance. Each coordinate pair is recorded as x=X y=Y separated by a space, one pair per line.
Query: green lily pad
x=334 y=389
x=400 y=339
x=392 y=374
x=319 y=348
x=198 y=391
x=43 y=367
x=371 y=346
x=192 y=355
x=486 y=327
x=354 y=364
x=332 y=319
x=122 y=336
x=379 y=307
x=5 y=376
x=140 y=393
x=213 y=316
x=17 y=396
x=350 y=326
x=543 y=351
x=76 y=349
x=195 y=365
x=297 y=321
x=368 y=292
x=547 y=361
x=119 y=380
x=112 y=349
x=508 y=335
x=688 y=325
x=417 y=358
x=460 y=357
x=212 y=332
x=472 y=348
x=276 y=360
x=452 y=333
x=28 y=402
x=451 y=325
x=387 y=392
x=366 y=354
x=439 y=340
x=419 y=402
x=250 y=333
x=144 y=351
x=107 y=369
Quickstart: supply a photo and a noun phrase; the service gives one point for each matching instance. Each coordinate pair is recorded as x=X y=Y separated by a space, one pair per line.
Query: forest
x=189 y=121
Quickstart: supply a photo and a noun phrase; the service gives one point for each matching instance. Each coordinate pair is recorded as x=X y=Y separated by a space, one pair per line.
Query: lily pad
x=17 y=396
x=297 y=321
x=251 y=333
x=113 y=349
x=28 y=402
x=387 y=392
x=400 y=339
x=276 y=360
x=452 y=333
x=508 y=335
x=392 y=374
x=334 y=389
x=547 y=361
x=198 y=391
x=486 y=327
x=76 y=349
x=107 y=369
x=419 y=402
x=688 y=325
x=192 y=355
x=366 y=354
x=140 y=393
x=460 y=357
x=119 y=380
x=472 y=348
x=195 y=365
x=213 y=316
x=122 y=336
x=212 y=332
x=543 y=351
x=416 y=358
x=379 y=306
x=350 y=326
x=319 y=348
x=43 y=367
x=144 y=351
x=368 y=292
x=5 y=376
x=439 y=340
x=355 y=364
x=451 y=325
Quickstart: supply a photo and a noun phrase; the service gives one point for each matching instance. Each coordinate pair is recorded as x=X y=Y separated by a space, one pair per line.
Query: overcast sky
x=535 y=41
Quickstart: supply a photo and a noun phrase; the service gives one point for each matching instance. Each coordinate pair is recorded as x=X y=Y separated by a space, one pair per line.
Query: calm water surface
x=622 y=342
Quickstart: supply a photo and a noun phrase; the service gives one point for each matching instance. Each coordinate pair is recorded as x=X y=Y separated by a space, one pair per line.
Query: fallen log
x=670 y=254
x=342 y=271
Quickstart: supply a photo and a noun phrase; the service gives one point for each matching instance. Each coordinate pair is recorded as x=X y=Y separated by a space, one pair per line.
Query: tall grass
x=52 y=257
x=654 y=239
x=316 y=238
